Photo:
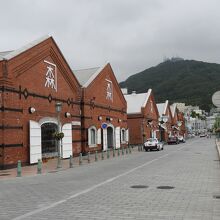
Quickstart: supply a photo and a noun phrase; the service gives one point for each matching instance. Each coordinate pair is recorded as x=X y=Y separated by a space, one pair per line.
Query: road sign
x=104 y=125
x=216 y=99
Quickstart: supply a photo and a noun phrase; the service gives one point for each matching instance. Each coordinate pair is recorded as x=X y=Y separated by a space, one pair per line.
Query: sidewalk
x=51 y=165
x=217 y=141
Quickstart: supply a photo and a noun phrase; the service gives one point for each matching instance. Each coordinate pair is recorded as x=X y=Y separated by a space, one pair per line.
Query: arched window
x=123 y=135
x=92 y=136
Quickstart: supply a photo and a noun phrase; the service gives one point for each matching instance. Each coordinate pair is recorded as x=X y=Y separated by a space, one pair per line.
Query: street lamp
x=179 y=123
x=162 y=119
x=58 y=107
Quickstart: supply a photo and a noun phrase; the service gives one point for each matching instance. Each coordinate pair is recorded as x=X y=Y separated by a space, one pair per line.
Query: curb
x=218 y=147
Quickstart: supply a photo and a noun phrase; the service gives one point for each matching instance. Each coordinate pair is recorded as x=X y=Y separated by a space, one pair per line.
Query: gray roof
x=173 y=109
x=136 y=101
x=7 y=55
x=162 y=108
x=86 y=76
x=83 y=75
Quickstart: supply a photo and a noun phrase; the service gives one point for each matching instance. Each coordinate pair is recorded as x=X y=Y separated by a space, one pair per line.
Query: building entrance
x=48 y=142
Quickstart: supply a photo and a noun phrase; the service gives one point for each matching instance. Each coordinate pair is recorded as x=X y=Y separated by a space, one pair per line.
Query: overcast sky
x=130 y=34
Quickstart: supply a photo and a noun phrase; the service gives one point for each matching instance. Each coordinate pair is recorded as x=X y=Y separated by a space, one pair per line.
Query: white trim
x=26 y=47
x=147 y=97
x=89 y=136
x=123 y=141
x=48 y=120
x=90 y=80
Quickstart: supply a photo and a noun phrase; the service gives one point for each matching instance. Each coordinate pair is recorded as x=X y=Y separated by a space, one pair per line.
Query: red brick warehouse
x=32 y=79
x=142 y=117
x=104 y=121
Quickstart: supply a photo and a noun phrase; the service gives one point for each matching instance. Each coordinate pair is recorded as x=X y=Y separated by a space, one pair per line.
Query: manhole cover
x=216 y=196
x=4 y=174
x=165 y=187
x=139 y=186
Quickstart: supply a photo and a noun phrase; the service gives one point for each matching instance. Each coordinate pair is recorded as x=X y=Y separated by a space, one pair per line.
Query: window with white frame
x=92 y=136
x=123 y=135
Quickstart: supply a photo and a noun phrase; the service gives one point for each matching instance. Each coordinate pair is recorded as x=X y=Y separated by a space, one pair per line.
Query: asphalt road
x=103 y=190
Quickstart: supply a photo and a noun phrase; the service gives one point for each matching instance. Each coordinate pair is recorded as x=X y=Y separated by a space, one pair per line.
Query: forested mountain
x=178 y=80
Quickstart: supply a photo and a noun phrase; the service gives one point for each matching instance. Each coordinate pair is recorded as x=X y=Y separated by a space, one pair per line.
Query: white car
x=153 y=144
x=181 y=139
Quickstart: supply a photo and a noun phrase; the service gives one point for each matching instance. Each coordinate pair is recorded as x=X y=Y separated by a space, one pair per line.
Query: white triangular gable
x=67 y=149
x=35 y=142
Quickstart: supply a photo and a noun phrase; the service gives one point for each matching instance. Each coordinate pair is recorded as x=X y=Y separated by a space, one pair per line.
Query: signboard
x=216 y=99
x=76 y=123
x=104 y=125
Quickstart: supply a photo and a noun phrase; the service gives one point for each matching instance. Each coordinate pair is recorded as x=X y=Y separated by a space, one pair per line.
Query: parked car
x=181 y=139
x=202 y=135
x=153 y=144
x=173 y=140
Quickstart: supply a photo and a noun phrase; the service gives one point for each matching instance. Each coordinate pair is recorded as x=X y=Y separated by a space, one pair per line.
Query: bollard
x=71 y=161
x=129 y=149
x=80 y=159
x=113 y=152
x=118 y=152
x=39 y=166
x=126 y=150
x=96 y=156
x=122 y=151
x=88 y=157
x=102 y=155
x=108 y=154
x=19 y=169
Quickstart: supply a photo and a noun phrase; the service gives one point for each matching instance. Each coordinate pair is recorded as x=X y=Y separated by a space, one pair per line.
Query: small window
x=92 y=140
x=123 y=135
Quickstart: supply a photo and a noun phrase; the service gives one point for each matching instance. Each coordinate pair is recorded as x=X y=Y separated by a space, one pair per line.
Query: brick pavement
x=50 y=165
x=103 y=190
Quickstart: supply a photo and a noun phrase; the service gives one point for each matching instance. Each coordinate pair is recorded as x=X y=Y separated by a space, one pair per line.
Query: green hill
x=178 y=80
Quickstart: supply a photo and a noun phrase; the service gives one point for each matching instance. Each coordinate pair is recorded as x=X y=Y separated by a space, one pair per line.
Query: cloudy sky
x=130 y=34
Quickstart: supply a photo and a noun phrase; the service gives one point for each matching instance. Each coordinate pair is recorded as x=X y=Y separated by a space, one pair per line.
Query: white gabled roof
x=173 y=109
x=136 y=101
x=162 y=108
x=10 y=54
x=86 y=76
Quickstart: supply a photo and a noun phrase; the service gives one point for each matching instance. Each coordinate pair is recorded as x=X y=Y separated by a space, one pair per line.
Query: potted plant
x=58 y=135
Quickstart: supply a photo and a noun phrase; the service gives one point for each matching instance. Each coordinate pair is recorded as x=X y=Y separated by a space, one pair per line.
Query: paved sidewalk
x=51 y=165
x=104 y=190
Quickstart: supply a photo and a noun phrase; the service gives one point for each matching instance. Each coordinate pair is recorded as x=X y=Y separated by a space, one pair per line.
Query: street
x=188 y=177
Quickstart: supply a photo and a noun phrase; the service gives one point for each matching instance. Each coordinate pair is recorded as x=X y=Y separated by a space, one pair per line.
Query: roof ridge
x=26 y=47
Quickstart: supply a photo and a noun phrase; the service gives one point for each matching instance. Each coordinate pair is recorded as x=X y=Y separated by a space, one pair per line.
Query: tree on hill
x=189 y=81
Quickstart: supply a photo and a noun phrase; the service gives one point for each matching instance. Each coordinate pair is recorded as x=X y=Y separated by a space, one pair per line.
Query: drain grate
x=165 y=187
x=216 y=196
x=139 y=187
x=4 y=174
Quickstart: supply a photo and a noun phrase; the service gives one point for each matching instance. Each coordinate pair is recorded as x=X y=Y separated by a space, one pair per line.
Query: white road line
x=94 y=187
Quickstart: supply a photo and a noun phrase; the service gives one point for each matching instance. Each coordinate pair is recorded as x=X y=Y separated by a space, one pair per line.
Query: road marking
x=95 y=186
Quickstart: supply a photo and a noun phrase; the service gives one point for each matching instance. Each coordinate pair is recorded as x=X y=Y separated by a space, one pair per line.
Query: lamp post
x=179 y=123
x=58 y=107
x=162 y=119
